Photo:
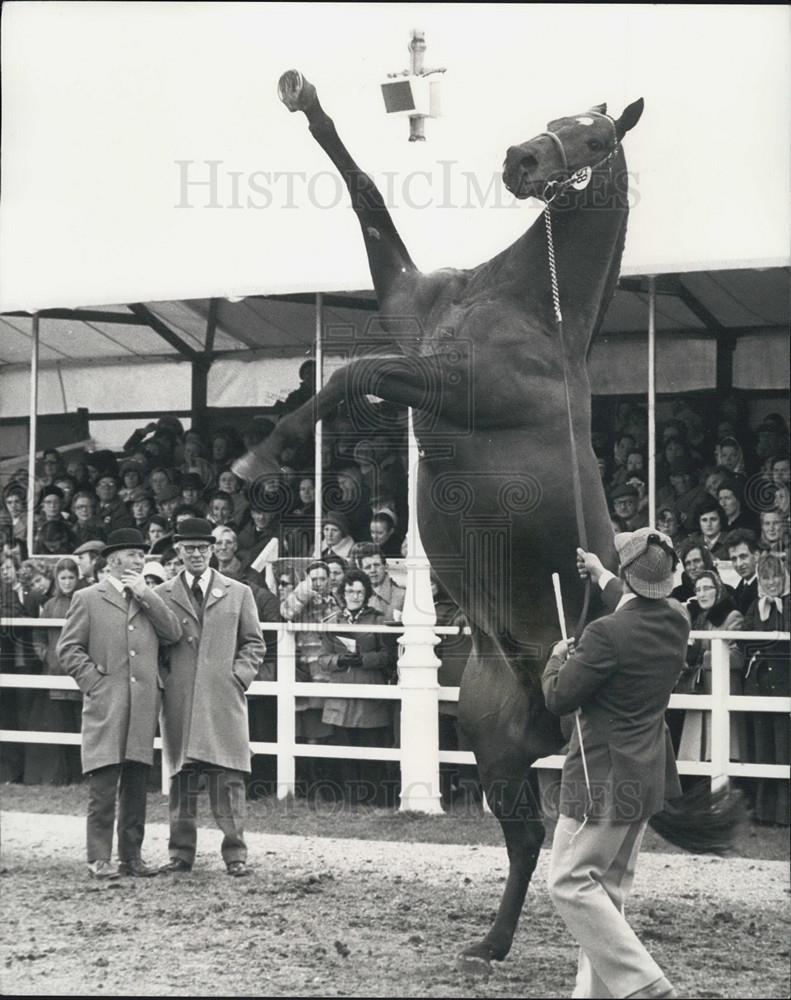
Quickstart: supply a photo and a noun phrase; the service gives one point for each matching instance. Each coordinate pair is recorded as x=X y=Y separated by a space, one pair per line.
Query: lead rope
x=577 y=484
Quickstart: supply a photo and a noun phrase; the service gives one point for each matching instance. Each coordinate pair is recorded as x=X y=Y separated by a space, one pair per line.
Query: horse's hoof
x=474 y=965
x=295 y=91
x=249 y=467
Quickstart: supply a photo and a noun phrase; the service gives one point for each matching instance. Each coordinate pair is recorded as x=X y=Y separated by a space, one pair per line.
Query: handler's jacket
x=111 y=648
x=621 y=677
x=206 y=674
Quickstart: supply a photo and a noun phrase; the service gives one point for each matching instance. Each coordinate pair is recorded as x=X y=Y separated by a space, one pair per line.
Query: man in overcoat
x=204 y=709
x=110 y=645
x=619 y=677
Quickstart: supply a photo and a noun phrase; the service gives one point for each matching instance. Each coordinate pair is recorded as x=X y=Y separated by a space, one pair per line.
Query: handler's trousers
x=128 y=781
x=227 y=800
x=590 y=875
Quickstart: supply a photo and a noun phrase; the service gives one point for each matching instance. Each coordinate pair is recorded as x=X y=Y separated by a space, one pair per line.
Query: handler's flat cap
x=194 y=529
x=124 y=538
x=647 y=561
x=94 y=545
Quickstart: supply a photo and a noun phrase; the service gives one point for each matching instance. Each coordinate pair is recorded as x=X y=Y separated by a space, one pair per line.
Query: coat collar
x=114 y=596
x=216 y=591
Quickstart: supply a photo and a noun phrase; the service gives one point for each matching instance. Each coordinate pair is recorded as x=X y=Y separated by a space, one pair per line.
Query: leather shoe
x=176 y=865
x=104 y=871
x=137 y=868
x=661 y=989
x=238 y=869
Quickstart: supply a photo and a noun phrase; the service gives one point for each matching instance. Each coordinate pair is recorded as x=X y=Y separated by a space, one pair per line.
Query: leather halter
x=553 y=188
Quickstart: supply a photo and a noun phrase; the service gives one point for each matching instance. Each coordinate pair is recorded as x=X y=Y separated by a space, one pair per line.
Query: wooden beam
x=164 y=331
x=211 y=327
x=334 y=301
x=87 y=316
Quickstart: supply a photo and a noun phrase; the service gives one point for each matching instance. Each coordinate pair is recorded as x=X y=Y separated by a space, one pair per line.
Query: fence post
x=286 y=718
x=417 y=669
x=720 y=714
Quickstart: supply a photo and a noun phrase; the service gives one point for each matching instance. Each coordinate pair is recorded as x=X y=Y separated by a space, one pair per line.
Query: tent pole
x=317 y=470
x=652 y=400
x=33 y=433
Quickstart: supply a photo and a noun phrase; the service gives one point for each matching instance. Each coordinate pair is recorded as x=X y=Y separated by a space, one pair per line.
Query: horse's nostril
x=528 y=162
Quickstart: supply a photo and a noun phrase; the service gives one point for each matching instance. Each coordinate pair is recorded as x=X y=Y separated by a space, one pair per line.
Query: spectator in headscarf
x=730 y=495
x=716 y=611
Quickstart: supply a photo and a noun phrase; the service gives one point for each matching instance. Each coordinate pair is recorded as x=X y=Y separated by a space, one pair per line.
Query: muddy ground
x=342 y=917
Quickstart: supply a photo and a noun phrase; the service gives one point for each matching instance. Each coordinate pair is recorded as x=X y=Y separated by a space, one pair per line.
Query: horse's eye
x=594 y=145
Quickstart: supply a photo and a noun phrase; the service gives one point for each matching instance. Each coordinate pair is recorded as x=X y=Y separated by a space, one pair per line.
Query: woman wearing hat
x=336 y=539
x=717 y=610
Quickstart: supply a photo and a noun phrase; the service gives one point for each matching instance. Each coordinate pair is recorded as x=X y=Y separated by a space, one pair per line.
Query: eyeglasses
x=200 y=549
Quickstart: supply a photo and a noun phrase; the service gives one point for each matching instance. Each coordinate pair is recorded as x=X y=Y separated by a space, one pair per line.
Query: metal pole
x=31 y=458
x=652 y=401
x=318 y=476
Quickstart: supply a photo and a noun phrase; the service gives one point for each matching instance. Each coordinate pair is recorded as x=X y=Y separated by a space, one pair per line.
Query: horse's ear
x=629 y=118
x=600 y=109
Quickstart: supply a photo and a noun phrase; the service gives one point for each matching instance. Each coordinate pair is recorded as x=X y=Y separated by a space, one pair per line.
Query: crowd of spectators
x=722 y=496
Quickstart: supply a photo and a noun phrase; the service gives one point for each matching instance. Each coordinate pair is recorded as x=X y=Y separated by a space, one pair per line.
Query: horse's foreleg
x=514 y=804
x=388 y=258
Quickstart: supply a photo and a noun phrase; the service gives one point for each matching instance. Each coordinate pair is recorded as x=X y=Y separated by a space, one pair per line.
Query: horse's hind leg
x=514 y=803
x=388 y=258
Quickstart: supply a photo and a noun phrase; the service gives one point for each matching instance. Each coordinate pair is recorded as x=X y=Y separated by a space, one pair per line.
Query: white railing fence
x=419 y=694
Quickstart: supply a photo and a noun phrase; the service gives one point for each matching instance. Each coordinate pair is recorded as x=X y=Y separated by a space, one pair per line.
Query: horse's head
x=568 y=146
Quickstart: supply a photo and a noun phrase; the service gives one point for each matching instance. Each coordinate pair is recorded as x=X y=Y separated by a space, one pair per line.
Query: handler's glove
x=348 y=660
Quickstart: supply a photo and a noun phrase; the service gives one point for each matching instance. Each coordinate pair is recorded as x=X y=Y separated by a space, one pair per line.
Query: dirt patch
x=340 y=917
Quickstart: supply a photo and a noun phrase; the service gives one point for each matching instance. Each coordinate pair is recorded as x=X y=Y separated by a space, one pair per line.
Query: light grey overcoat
x=110 y=647
x=206 y=674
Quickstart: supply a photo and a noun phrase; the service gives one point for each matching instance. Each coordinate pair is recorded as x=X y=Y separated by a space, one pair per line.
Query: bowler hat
x=647 y=561
x=124 y=538
x=194 y=529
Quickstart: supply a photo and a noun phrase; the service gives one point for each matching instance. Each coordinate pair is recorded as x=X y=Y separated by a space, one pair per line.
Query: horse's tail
x=702 y=820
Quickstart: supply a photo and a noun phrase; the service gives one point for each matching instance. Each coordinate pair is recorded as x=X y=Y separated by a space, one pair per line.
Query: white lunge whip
x=577 y=713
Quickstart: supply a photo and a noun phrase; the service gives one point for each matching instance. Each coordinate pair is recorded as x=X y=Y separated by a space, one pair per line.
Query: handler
x=620 y=676
x=110 y=645
x=204 y=710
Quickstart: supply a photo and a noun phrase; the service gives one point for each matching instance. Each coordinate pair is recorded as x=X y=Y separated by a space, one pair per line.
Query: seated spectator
x=767 y=675
x=730 y=495
x=158 y=528
x=771 y=437
x=75 y=467
x=14 y=503
x=357 y=658
x=710 y=521
x=171 y=563
x=132 y=474
x=336 y=537
x=86 y=526
x=695 y=558
x=624 y=443
x=229 y=564
x=382 y=531
x=286 y=582
x=195 y=461
x=625 y=506
x=87 y=555
x=68 y=487
x=351 y=499
x=17 y=656
x=674 y=450
x=337 y=567
x=228 y=482
x=684 y=492
x=260 y=542
x=743 y=552
x=162 y=434
x=35 y=578
x=220 y=509
x=56 y=710
x=168 y=500
x=388 y=596
x=192 y=492
x=715 y=479
x=51 y=505
x=635 y=465
x=728 y=454
x=782 y=502
x=716 y=611
x=299 y=525
x=141 y=505
x=112 y=512
x=774 y=531
x=667 y=520
x=154 y=573
x=54 y=538
x=779 y=469
x=225 y=447
x=159 y=479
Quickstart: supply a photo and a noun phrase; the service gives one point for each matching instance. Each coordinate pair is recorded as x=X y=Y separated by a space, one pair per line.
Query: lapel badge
x=216 y=592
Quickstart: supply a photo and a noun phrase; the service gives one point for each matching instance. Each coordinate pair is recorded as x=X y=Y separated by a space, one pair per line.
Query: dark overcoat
x=206 y=674
x=621 y=677
x=111 y=648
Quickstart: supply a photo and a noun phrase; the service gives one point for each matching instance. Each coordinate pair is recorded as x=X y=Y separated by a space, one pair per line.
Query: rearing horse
x=486 y=377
